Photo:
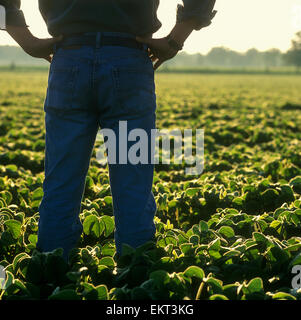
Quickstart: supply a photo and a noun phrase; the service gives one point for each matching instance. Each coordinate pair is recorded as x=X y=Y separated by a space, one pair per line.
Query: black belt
x=92 y=40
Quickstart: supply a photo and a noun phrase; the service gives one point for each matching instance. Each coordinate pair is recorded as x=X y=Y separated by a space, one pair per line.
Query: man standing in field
x=102 y=59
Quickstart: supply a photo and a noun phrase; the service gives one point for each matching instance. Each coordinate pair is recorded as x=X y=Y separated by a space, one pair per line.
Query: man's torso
x=138 y=17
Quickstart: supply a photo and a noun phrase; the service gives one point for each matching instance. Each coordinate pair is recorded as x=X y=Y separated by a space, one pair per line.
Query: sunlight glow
x=239 y=24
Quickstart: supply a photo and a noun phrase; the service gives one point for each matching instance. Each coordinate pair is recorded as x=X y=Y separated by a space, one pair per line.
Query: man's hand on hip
x=41 y=48
x=159 y=50
x=37 y=48
x=166 y=48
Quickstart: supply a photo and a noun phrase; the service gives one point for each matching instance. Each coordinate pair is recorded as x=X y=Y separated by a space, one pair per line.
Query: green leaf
x=37 y=194
x=190 y=192
x=218 y=297
x=226 y=231
x=203 y=226
x=7 y=196
x=20 y=263
x=296 y=183
x=107 y=261
x=254 y=286
x=89 y=182
x=160 y=277
x=295 y=261
x=287 y=193
x=232 y=253
x=214 y=248
x=9 y=280
x=127 y=250
x=90 y=293
x=297 y=204
x=196 y=230
x=20 y=285
x=2 y=203
x=172 y=204
x=18 y=258
x=278 y=255
x=12 y=167
x=55 y=268
x=276 y=224
x=33 y=239
x=230 y=290
x=93 y=226
x=74 y=276
x=215 y=286
x=194 y=271
x=215 y=245
x=14 y=228
x=108 y=224
x=283 y=296
x=34 y=273
x=194 y=240
x=108 y=200
x=259 y=237
x=102 y=291
x=232 y=211
x=295 y=219
x=108 y=250
x=293 y=247
x=238 y=201
x=168 y=240
x=186 y=248
x=278 y=212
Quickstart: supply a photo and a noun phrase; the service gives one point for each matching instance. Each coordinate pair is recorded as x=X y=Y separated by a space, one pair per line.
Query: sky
x=238 y=25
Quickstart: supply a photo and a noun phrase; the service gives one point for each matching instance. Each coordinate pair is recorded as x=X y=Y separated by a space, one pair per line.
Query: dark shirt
x=138 y=17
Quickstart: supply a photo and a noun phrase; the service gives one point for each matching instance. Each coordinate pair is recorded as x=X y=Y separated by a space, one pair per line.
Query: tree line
x=227 y=58
x=216 y=57
x=253 y=58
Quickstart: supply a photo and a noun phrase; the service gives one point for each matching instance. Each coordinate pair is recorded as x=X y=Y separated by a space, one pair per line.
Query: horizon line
x=193 y=53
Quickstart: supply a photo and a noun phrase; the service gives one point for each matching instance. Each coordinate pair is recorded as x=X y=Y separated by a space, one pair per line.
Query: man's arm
x=18 y=30
x=200 y=10
x=13 y=15
x=194 y=15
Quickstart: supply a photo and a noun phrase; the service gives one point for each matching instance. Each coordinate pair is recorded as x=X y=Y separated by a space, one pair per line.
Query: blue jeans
x=92 y=88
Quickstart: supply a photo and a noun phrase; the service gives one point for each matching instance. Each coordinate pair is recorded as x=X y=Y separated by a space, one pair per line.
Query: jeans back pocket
x=61 y=88
x=134 y=89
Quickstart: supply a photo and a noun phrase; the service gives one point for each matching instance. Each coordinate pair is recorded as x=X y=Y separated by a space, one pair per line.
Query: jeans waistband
x=99 y=39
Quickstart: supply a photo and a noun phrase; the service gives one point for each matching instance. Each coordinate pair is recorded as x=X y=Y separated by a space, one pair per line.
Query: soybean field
x=232 y=232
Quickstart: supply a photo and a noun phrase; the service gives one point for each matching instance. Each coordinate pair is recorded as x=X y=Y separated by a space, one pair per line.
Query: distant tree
x=218 y=56
x=200 y=59
x=12 y=66
x=272 y=58
x=236 y=59
x=293 y=55
x=253 y=58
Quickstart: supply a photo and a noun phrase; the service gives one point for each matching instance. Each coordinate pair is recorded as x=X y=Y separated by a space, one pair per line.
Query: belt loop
x=98 y=40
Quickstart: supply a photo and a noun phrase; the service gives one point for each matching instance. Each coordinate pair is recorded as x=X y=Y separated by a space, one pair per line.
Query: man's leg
x=71 y=128
x=131 y=100
x=131 y=186
x=69 y=144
